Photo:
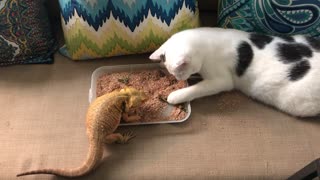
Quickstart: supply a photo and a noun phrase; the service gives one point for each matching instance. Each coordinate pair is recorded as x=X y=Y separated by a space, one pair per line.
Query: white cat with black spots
x=280 y=71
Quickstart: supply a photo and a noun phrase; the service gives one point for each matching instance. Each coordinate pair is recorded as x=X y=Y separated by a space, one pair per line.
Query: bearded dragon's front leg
x=130 y=115
x=129 y=118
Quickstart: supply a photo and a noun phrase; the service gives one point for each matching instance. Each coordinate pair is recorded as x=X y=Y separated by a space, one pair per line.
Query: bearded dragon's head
x=136 y=97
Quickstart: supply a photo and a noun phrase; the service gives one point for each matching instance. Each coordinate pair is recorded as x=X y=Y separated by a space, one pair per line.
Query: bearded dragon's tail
x=94 y=156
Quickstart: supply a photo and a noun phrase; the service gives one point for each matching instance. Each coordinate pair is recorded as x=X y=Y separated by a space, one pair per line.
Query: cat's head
x=178 y=58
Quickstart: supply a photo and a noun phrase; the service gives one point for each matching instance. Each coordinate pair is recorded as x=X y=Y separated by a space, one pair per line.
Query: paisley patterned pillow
x=25 y=33
x=275 y=17
x=104 y=28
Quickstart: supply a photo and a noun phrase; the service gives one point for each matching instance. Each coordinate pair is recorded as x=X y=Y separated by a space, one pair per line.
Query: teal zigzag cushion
x=25 y=33
x=103 y=28
x=275 y=17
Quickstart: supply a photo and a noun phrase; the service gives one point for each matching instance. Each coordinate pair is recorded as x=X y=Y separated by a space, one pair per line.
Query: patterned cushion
x=25 y=33
x=103 y=28
x=275 y=17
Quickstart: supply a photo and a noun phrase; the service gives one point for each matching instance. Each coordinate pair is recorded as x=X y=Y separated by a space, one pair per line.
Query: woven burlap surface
x=228 y=136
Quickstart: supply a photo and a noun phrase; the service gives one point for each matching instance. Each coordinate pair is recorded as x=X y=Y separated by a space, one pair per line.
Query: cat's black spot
x=260 y=40
x=287 y=38
x=314 y=43
x=245 y=56
x=299 y=70
x=293 y=52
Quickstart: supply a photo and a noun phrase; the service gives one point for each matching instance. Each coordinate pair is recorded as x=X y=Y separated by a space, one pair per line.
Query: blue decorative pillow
x=25 y=33
x=105 y=28
x=276 y=17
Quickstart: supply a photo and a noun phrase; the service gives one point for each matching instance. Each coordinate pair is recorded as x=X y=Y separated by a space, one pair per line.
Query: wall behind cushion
x=272 y=17
x=25 y=33
x=208 y=5
x=103 y=28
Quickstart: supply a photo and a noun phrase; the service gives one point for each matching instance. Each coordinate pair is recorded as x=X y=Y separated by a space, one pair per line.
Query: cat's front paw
x=177 y=97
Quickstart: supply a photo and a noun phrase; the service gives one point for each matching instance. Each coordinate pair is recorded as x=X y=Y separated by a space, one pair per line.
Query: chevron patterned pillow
x=103 y=28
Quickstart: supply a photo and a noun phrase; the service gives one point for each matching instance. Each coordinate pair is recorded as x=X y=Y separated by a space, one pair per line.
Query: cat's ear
x=156 y=55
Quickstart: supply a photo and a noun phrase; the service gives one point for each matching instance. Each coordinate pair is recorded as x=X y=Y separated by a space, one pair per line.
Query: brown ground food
x=156 y=84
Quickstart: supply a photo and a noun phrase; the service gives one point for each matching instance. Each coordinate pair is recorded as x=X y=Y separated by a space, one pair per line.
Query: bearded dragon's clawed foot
x=119 y=138
x=126 y=137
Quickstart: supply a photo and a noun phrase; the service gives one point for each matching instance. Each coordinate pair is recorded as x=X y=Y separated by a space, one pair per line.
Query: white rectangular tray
x=130 y=68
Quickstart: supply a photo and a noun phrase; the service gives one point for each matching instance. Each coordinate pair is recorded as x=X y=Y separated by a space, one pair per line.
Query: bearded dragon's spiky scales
x=103 y=117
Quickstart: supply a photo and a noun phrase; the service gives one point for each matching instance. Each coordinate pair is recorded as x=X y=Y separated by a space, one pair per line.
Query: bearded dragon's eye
x=163 y=57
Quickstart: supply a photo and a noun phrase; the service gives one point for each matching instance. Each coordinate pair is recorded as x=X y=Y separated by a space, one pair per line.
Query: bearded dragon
x=103 y=117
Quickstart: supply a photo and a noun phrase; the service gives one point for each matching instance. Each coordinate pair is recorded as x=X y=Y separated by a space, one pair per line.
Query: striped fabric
x=104 y=28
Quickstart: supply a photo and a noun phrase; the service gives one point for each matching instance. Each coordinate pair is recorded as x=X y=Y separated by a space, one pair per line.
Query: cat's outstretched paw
x=177 y=97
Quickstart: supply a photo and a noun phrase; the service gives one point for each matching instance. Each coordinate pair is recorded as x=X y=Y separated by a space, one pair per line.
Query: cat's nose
x=180 y=78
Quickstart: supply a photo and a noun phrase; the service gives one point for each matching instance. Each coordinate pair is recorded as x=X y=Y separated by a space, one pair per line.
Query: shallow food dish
x=165 y=110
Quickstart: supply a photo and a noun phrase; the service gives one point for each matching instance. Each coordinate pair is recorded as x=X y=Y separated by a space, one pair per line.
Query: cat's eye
x=163 y=58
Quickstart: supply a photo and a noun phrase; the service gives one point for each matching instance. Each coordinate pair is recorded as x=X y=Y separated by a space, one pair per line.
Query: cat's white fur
x=212 y=52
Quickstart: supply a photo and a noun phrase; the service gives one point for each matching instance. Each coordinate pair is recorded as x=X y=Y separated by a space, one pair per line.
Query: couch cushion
x=25 y=33
x=228 y=136
x=109 y=28
x=271 y=17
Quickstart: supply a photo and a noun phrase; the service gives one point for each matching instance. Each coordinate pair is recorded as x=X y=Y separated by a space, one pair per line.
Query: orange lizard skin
x=103 y=118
